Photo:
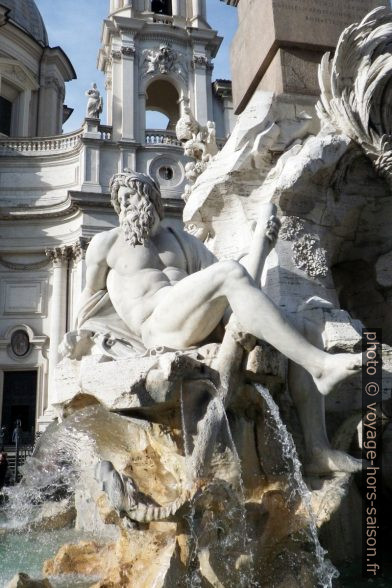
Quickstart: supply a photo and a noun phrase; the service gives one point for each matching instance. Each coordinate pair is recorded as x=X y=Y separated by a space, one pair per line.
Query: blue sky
x=75 y=25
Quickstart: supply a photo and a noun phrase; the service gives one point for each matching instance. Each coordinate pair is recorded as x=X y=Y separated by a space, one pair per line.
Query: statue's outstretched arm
x=264 y=237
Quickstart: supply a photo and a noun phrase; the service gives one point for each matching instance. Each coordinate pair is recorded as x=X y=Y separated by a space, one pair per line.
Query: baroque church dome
x=25 y=14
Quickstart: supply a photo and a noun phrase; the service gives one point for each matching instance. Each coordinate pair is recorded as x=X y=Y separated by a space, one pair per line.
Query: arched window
x=162 y=108
x=162 y=7
x=156 y=120
x=5 y=116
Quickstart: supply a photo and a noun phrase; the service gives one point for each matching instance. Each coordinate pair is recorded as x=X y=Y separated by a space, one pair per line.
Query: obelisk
x=279 y=44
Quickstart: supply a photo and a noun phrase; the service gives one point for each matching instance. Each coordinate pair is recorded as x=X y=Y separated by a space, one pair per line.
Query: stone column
x=176 y=7
x=195 y=8
x=109 y=94
x=200 y=64
x=48 y=120
x=128 y=158
x=60 y=112
x=128 y=91
x=228 y=115
x=58 y=312
x=24 y=113
x=116 y=91
x=1 y=394
x=142 y=117
x=210 y=108
x=78 y=277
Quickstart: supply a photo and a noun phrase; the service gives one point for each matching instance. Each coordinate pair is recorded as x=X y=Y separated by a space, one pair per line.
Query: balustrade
x=157 y=137
x=40 y=145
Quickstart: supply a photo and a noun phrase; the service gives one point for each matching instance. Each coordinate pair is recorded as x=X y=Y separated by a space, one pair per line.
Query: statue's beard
x=137 y=222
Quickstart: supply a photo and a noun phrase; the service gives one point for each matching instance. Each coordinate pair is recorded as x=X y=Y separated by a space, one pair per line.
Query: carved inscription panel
x=317 y=21
x=19 y=296
x=265 y=26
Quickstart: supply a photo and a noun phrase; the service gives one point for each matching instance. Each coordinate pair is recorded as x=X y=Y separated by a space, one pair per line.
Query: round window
x=20 y=343
x=166 y=172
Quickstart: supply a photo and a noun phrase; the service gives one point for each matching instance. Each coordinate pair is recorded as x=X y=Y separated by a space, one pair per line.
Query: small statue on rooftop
x=94 y=102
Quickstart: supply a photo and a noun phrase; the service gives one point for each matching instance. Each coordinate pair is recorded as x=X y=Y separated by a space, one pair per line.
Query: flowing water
x=326 y=572
x=229 y=538
x=53 y=472
x=249 y=576
x=21 y=551
x=49 y=479
x=193 y=578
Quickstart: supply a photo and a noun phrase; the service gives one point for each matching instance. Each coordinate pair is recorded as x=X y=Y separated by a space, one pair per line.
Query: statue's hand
x=273 y=227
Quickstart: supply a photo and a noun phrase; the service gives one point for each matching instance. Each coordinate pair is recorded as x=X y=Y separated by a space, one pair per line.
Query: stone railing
x=40 y=145
x=157 y=137
x=106 y=132
x=162 y=19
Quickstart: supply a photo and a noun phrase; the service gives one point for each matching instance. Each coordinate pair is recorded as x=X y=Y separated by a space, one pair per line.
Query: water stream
x=250 y=579
x=193 y=578
x=52 y=474
x=21 y=551
x=325 y=571
x=49 y=475
x=49 y=480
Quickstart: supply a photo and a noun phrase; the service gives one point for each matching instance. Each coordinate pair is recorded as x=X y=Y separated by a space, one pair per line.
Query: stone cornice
x=223 y=88
x=4 y=12
x=180 y=38
x=86 y=200
x=57 y=57
x=24 y=266
x=124 y=23
x=65 y=209
x=76 y=202
x=173 y=206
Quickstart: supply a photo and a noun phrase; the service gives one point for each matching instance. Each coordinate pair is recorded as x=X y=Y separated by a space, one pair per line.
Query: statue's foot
x=326 y=461
x=337 y=368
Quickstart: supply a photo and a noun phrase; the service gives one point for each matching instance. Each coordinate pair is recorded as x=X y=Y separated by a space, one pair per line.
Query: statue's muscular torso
x=137 y=277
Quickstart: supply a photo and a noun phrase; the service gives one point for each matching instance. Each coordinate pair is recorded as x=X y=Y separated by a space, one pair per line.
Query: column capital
x=128 y=51
x=201 y=62
x=59 y=255
x=116 y=54
x=78 y=249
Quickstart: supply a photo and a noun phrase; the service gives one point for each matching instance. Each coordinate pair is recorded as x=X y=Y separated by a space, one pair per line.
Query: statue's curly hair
x=141 y=184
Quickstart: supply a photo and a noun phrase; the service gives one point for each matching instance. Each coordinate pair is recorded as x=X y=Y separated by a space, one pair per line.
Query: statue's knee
x=232 y=270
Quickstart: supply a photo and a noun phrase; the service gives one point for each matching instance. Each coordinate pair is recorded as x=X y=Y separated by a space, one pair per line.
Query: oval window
x=166 y=173
x=20 y=343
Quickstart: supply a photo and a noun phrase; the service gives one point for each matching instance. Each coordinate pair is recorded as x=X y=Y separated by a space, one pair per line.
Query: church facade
x=156 y=56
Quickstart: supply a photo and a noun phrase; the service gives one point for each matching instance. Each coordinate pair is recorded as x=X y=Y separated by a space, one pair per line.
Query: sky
x=75 y=26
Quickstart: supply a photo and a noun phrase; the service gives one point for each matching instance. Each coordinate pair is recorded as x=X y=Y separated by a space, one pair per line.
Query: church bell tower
x=157 y=58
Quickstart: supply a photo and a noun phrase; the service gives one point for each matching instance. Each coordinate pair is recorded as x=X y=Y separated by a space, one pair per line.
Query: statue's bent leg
x=320 y=457
x=187 y=312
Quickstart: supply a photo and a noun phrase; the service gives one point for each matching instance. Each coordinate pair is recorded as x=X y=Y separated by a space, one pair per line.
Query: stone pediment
x=17 y=74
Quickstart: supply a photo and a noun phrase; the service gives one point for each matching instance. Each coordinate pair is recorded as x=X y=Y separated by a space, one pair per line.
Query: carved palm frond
x=356 y=87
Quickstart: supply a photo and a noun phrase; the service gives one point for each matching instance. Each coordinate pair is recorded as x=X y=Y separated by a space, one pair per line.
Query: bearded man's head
x=137 y=220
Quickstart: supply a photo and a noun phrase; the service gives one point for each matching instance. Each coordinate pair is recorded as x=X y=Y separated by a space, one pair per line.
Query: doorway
x=19 y=402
